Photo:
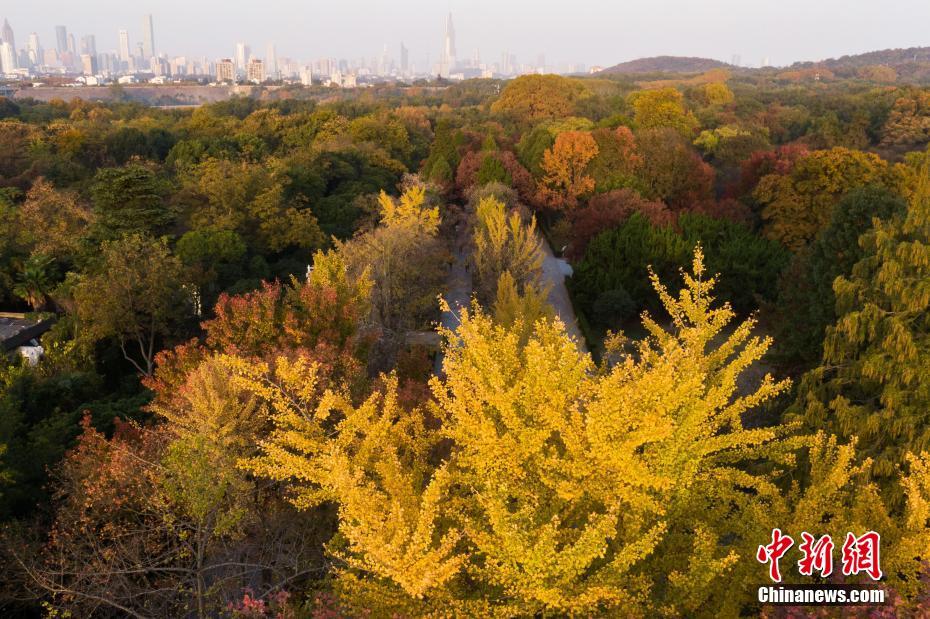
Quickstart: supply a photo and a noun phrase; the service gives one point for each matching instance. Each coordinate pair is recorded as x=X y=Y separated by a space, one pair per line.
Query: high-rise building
x=256 y=72
x=124 y=54
x=243 y=53
x=6 y=38
x=6 y=34
x=225 y=70
x=271 y=62
x=61 y=39
x=7 y=58
x=306 y=76
x=34 y=49
x=89 y=44
x=148 y=37
x=404 y=59
x=447 y=59
x=72 y=45
x=88 y=64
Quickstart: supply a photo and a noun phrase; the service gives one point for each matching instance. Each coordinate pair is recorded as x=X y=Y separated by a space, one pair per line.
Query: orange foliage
x=565 y=169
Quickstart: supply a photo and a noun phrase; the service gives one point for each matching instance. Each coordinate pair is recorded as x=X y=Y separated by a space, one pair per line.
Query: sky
x=589 y=32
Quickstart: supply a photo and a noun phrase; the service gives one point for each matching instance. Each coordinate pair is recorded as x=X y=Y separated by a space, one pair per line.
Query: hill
x=666 y=64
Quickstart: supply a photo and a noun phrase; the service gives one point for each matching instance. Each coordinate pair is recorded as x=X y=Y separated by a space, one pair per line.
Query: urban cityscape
x=139 y=59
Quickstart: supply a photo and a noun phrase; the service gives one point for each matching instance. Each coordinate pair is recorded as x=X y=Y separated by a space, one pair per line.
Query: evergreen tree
x=872 y=383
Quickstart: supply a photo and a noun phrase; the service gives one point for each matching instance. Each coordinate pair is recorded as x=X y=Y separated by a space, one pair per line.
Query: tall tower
x=404 y=59
x=271 y=61
x=447 y=60
x=148 y=37
x=61 y=38
x=243 y=53
x=124 y=53
x=35 y=49
x=7 y=34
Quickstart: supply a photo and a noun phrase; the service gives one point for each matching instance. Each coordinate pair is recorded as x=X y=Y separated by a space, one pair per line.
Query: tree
x=532 y=98
x=617 y=161
x=129 y=200
x=35 y=281
x=565 y=169
x=504 y=244
x=797 y=206
x=251 y=199
x=672 y=172
x=159 y=521
x=871 y=383
x=404 y=258
x=566 y=488
x=608 y=210
x=806 y=302
x=52 y=221
x=135 y=294
x=662 y=108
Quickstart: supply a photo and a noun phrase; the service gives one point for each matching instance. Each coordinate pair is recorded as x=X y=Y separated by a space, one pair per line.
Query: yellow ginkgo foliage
x=538 y=482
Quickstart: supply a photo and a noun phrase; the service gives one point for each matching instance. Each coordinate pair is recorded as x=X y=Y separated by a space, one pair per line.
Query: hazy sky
x=569 y=31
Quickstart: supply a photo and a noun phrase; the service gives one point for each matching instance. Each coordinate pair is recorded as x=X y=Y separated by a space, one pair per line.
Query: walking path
x=554 y=272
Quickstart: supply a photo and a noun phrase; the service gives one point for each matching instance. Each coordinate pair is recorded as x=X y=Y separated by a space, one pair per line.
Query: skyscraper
x=6 y=34
x=148 y=37
x=89 y=44
x=271 y=61
x=7 y=58
x=243 y=53
x=61 y=39
x=34 y=49
x=124 y=54
x=447 y=59
x=404 y=59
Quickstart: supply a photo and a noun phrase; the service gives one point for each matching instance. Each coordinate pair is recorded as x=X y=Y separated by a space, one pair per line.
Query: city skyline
x=584 y=33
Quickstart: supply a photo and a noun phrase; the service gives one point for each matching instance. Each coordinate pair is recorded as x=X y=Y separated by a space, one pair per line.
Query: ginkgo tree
x=538 y=482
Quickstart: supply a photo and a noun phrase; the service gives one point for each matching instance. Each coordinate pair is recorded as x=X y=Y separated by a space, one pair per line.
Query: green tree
x=134 y=293
x=806 y=302
x=872 y=381
x=129 y=200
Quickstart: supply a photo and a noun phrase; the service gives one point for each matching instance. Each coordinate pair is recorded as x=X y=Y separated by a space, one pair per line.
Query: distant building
x=6 y=35
x=7 y=58
x=447 y=59
x=243 y=53
x=89 y=44
x=124 y=54
x=34 y=49
x=225 y=70
x=88 y=64
x=306 y=76
x=148 y=38
x=61 y=38
x=404 y=59
x=256 y=71
x=271 y=62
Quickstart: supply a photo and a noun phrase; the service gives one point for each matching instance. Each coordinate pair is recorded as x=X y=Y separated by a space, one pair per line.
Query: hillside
x=665 y=64
x=911 y=64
